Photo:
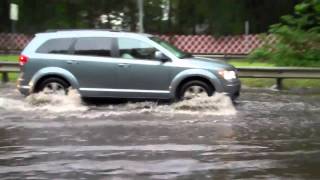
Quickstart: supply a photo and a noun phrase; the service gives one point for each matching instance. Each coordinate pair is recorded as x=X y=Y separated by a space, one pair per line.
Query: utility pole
x=14 y=16
x=141 y=15
x=247 y=27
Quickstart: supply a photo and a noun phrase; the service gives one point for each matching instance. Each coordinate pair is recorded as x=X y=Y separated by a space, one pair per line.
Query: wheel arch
x=194 y=78
x=50 y=72
x=195 y=74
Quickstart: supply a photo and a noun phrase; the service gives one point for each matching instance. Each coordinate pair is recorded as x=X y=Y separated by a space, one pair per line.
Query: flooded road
x=267 y=135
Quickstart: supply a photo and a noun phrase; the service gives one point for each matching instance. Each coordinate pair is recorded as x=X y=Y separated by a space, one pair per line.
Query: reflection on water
x=268 y=135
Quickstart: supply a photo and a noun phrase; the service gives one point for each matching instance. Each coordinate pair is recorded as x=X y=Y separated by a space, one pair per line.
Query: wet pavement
x=267 y=135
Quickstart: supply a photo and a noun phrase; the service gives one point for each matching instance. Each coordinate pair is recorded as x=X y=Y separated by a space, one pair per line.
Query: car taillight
x=23 y=60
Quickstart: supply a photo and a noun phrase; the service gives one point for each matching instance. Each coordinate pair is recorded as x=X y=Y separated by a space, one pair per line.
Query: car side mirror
x=160 y=56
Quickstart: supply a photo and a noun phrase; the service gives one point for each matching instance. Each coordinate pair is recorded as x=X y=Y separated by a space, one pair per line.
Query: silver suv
x=101 y=63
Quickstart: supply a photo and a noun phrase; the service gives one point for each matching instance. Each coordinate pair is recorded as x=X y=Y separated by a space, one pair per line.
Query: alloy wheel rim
x=54 y=88
x=194 y=92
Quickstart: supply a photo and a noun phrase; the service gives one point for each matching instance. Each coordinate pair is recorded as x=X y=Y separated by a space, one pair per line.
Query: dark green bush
x=297 y=38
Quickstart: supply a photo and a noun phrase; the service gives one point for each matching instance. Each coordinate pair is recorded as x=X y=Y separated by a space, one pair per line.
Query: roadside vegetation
x=297 y=44
x=9 y=58
x=297 y=38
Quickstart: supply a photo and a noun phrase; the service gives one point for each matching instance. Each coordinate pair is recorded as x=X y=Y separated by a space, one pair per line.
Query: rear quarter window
x=56 y=46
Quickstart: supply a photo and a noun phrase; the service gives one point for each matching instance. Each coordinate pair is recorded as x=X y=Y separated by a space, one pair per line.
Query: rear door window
x=56 y=46
x=94 y=46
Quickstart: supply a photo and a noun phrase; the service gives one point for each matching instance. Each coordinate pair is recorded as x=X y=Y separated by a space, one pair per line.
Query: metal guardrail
x=278 y=73
x=6 y=68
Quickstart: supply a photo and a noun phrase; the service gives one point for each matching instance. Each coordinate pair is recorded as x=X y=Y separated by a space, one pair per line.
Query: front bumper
x=233 y=89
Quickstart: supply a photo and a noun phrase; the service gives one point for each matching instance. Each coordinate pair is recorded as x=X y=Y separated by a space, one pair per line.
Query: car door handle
x=72 y=62
x=125 y=65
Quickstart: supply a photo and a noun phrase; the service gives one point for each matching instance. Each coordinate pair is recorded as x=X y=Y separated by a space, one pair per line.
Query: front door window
x=135 y=49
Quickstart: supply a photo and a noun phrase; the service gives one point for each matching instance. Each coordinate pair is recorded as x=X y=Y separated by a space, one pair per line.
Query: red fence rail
x=196 y=44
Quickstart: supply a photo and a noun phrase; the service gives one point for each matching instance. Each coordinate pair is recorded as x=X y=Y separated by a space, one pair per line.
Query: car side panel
x=37 y=67
x=94 y=73
x=150 y=77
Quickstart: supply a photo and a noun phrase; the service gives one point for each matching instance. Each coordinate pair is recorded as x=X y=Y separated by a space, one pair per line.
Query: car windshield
x=174 y=50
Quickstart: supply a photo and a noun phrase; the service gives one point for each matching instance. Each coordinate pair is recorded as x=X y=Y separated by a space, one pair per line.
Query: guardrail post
x=279 y=84
x=5 y=77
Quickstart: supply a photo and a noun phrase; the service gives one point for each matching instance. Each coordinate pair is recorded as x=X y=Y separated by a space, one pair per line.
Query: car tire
x=194 y=89
x=54 y=86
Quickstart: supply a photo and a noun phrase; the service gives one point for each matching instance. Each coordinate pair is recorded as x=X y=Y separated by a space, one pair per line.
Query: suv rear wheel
x=193 y=89
x=54 y=86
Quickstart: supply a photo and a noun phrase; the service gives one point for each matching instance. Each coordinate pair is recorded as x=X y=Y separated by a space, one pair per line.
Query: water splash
x=218 y=104
x=45 y=102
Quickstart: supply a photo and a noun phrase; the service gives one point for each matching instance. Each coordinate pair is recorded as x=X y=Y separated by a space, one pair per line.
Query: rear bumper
x=23 y=89
x=233 y=89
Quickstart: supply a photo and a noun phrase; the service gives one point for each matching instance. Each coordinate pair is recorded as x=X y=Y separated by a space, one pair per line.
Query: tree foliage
x=298 y=38
x=218 y=17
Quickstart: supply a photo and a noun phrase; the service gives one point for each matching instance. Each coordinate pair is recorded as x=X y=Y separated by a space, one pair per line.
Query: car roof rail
x=109 y=30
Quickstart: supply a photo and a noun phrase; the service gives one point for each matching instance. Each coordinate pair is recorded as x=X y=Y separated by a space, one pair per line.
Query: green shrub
x=297 y=38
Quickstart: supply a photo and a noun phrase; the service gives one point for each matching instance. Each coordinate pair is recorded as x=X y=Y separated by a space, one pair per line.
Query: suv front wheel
x=193 y=89
x=54 y=86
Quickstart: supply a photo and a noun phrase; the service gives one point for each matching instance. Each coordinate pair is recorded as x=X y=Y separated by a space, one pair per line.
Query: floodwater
x=266 y=135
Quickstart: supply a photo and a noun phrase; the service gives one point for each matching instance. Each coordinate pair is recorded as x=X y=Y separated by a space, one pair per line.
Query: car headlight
x=228 y=75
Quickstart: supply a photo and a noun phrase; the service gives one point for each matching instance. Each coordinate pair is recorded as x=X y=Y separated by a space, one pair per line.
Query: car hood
x=208 y=63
